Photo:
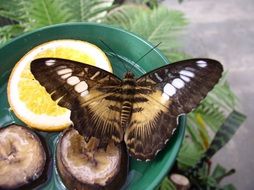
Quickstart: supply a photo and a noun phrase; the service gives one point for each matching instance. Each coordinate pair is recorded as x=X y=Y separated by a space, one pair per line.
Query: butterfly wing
x=169 y=91
x=87 y=91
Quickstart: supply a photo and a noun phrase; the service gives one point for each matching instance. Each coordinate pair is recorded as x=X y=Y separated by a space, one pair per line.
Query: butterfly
x=142 y=112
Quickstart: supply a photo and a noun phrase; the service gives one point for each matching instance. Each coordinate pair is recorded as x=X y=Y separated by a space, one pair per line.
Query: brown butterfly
x=141 y=112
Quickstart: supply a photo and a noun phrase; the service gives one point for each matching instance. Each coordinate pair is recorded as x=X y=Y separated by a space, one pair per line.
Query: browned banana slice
x=82 y=166
x=22 y=157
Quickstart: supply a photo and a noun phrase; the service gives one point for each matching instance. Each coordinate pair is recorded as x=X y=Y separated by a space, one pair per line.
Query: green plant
x=154 y=23
x=28 y=15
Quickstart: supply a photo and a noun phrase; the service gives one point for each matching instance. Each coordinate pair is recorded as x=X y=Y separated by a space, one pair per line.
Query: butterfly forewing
x=84 y=90
x=185 y=83
x=170 y=91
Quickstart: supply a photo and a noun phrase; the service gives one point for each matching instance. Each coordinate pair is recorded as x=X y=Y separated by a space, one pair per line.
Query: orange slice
x=30 y=101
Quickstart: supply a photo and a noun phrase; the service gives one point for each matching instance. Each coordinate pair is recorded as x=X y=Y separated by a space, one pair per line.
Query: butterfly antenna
x=135 y=63
x=114 y=54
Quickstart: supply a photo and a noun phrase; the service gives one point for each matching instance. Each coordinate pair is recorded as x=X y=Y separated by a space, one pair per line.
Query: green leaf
x=9 y=31
x=229 y=187
x=166 y=184
x=156 y=25
x=223 y=135
x=226 y=132
x=218 y=171
x=12 y=9
x=125 y=16
x=211 y=113
x=45 y=12
x=86 y=10
x=189 y=154
x=149 y=3
x=198 y=131
x=193 y=132
x=222 y=95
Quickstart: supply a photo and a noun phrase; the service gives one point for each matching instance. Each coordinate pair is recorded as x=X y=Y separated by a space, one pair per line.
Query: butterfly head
x=129 y=75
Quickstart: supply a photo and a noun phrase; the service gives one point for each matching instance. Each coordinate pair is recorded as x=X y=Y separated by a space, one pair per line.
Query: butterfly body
x=142 y=111
x=128 y=92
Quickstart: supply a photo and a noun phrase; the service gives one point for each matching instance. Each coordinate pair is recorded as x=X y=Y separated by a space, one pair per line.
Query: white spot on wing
x=61 y=67
x=66 y=76
x=50 y=62
x=73 y=80
x=202 y=63
x=80 y=87
x=95 y=75
x=64 y=71
x=187 y=73
x=186 y=79
x=190 y=69
x=165 y=96
x=178 y=83
x=147 y=160
x=169 y=89
x=158 y=77
x=84 y=93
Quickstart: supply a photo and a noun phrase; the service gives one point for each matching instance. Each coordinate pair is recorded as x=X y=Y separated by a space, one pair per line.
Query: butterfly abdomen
x=128 y=92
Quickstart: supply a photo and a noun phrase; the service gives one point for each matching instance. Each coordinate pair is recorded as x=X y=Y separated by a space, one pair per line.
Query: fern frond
x=39 y=13
x=124 y=16
x=12 y=9
x=157 y=25
x=8 y=32
x=86 y=10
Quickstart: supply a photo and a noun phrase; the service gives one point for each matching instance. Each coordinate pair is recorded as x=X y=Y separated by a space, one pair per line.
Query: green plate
x=142 y=175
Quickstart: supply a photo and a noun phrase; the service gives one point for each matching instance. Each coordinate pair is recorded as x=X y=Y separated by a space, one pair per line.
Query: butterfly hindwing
x=170 y=91
x=84 y=90
x=150 y=127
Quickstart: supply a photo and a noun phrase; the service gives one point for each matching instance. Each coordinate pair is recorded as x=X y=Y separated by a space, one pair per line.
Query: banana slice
x=83 y=166
x=22 y=157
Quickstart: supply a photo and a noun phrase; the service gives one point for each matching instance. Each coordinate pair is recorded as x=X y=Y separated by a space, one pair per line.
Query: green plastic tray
x=142 y=175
